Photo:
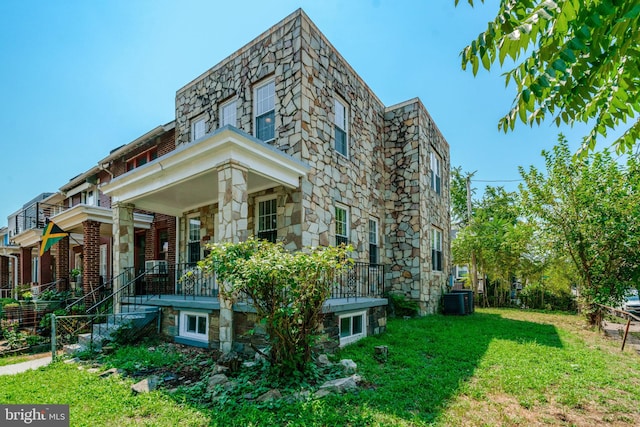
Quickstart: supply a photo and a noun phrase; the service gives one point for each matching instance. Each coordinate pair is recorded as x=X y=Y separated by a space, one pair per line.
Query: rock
x=169 y=377
x=146 y=385
x=323 y=360
x=340 y=385
x=350 y=367
x=109 y=372
x=273 y=394
x=220 y=369
x=249 y=364
x=322 y=393
x=215 y=380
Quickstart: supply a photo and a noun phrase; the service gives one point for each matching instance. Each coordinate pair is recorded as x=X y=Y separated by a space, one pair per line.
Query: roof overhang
x=71 y=220
x=187 y=177
x=28 y=238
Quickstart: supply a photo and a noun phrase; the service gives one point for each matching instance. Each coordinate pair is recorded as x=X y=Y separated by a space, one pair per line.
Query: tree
x=497 y=238
x=575 y=61
x=588 y=207
x=286 y=289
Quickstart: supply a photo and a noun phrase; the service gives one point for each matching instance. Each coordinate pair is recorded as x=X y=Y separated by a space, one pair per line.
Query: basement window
x=353 y=326
x=194 y=325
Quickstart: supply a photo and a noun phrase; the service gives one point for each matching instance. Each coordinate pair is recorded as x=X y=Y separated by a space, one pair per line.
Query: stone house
x=285 y=141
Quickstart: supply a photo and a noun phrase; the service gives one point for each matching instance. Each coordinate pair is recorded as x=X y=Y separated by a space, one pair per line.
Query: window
x=342 y=225
x=163 y=243
x=197 y=128
x=193 y=245
x=268 y=220
x=194 y=325
x=340 y=122
x=436 y=249
x=265 y=110
x=90 y=198
x=353 y=326
x=436 y=172
x=142 y=159
x=462 y=271
x=374 y=257
x=228 y=113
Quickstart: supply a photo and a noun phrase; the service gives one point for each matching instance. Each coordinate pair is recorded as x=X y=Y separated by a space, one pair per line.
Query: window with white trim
x=193 y=244
x=198 y=127
x=374 y=255
x=265 y=111
x=353 y=326
x=436 y=172
x=267 y=220
x=228 y=113
x=342 y=225
x=194 y=325
x=340 y=123
x=436 y=249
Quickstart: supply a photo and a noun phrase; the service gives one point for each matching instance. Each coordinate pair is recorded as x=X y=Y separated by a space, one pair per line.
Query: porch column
x=233 y=209
x=62 y=264
x=123 y=246
x=25 y=266
x=91 y=258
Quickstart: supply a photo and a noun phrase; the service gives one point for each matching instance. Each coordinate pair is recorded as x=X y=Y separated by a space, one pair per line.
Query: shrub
x=401 y=306
x=287 y=290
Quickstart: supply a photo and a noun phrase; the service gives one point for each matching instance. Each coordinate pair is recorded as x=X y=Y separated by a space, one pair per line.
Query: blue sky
x=79 y=77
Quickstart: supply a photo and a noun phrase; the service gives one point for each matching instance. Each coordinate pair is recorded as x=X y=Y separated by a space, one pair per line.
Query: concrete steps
x=137 y=319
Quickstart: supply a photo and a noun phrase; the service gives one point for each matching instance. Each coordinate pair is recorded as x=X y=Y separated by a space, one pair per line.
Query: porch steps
x=105 y=331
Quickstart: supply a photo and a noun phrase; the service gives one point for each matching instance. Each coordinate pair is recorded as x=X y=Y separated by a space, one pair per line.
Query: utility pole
x=474 y=268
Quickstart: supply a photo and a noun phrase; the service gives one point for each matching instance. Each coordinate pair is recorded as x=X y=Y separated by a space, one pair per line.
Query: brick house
x=285 y=141
x=8 y=264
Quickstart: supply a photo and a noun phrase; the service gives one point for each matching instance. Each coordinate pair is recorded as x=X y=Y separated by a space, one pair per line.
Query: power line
x=498 y=180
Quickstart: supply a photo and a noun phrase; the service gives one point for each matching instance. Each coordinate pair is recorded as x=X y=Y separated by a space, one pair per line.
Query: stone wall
x=385 y=175
x=414 y=207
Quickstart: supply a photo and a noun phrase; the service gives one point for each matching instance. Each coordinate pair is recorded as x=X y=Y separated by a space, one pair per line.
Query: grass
x=496 y=367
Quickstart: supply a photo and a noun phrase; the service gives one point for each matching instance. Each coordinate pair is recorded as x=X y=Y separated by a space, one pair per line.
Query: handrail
x=628 y=315
x=95 y=291
x=47 y=286
x=118 y=291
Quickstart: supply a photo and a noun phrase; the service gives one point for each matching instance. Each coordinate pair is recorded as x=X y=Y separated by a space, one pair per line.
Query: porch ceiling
x=187 y=177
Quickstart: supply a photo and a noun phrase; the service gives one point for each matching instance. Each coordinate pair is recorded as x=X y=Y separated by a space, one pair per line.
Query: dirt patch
x=502 y=409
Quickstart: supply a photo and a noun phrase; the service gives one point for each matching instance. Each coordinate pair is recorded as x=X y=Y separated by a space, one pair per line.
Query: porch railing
x=360 y=280
x=189 y=282
x=186 y=280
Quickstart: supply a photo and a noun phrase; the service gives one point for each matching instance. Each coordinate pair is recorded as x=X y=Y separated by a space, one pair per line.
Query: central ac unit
x=156 y=266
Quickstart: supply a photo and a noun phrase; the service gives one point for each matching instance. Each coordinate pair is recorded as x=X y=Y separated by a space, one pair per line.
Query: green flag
x=50 y=235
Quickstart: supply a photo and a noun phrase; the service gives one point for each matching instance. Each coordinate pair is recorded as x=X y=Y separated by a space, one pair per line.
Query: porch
x=185 y=285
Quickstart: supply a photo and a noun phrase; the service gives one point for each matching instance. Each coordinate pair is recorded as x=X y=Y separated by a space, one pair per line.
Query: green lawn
x=496 y=367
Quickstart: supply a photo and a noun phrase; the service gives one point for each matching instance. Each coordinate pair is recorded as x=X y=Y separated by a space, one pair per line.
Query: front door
x=140 y=243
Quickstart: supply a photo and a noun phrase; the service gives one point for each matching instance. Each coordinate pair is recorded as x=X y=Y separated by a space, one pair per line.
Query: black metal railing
x=186 y=280
x=35 y=216
x=359 y=280
x=100 y=294
x=189 y=281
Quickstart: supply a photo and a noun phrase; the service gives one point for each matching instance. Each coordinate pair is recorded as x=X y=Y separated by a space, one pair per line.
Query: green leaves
x=588 y=206
x=568 y=55
x=287 y=289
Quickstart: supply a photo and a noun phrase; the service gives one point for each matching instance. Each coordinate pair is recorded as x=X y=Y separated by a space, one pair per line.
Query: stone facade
x=385 y=176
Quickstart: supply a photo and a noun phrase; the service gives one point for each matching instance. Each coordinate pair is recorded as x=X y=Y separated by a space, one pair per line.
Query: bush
x=287 y=290
x=401 y=306
x=538 y=297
